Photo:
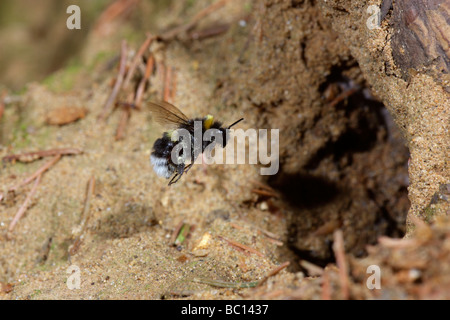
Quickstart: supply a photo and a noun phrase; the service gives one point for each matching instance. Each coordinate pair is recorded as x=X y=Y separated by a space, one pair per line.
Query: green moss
x=64 y=80
x=20 y=137
x=429 y=213
x=100 y=57
x=21 y=168
x=21 y=91
x=43 y=267
x=189 y=4
x=36 y=293
x=248 y=7
x=10 y=13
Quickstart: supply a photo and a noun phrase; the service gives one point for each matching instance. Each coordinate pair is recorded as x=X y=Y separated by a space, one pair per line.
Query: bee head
x=225 y=136
x=225 y=132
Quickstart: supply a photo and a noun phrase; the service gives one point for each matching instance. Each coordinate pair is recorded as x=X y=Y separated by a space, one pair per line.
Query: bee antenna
x=234 y=123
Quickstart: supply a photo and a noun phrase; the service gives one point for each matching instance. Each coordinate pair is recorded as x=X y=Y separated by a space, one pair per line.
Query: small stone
x=65 y=115
x=264 y=206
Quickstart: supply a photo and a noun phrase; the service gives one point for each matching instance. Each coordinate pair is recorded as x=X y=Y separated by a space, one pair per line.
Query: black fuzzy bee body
x=161 y=157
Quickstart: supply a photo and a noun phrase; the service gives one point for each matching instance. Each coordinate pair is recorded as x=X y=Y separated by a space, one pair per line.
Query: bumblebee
x=162 y=158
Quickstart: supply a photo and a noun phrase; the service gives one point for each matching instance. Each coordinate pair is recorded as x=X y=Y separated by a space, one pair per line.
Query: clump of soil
x=414 y=90
x=343 y=164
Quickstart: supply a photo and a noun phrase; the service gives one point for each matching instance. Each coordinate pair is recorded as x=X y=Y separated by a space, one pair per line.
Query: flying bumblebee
x=161 y=157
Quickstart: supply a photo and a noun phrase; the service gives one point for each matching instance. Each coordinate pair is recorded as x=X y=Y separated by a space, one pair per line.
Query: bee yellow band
x=209 y=121
x=173 y=135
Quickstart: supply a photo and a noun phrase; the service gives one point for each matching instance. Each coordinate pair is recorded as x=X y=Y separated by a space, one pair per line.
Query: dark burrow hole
x=369 y=197
x=305 y=191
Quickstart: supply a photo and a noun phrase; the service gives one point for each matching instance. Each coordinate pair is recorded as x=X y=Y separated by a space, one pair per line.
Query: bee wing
x=167 y=114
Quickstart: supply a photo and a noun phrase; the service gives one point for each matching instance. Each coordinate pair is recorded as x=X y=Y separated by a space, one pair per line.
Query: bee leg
x=180 y=168
x=173 y=178
x=187 y=168
x=177 y=176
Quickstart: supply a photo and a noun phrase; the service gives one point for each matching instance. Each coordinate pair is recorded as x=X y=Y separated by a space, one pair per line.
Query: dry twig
x=313 y=270
x=87 y=202
x=327 y=228
x=24 y=206
x=136 y=59
x=124 y=117
x=397 y=243
x=173 y=90
x=274 y=272
x=38 y=172
x=265 y=232
x=2 y=104
x=210 y=32
x=265 y=193
x=32 y=156
x=344 y=95
x=339 y=252
x=140 y=90
x=263 y=186
x=161 y=75
x=118 y=85
x=326 y=287
x=242 y=246
x=78 y=231
x=167 y=83
x=223 y=284
x=173 y=33
x=116 y=9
